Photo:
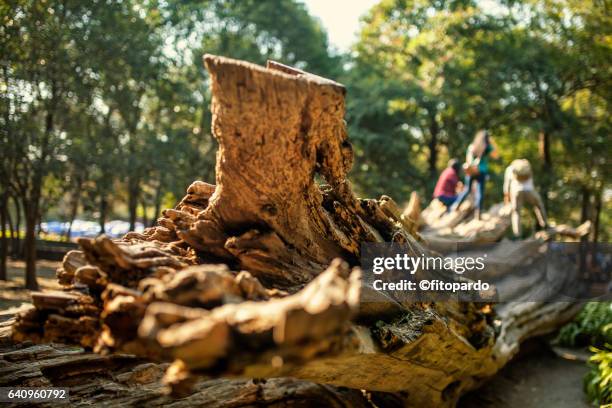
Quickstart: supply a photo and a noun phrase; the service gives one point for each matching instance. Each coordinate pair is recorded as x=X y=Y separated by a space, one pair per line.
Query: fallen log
x=446 y=232
x=257 y=276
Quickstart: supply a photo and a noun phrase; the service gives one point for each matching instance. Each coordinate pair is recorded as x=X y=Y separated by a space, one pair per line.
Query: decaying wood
x=256 y=276
x=124 y=380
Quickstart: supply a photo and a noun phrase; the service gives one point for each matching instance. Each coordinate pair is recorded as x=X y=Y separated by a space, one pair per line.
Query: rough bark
x=122 y=380
x=255 y=276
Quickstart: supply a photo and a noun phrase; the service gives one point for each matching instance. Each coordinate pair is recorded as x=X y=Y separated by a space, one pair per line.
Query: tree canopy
x=105 y=103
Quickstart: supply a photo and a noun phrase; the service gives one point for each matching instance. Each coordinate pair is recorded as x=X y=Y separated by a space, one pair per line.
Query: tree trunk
x=145 y=219
x=596 y=226
x=31 y=220
x=74 y=206
x=11 y=225
x=547 y=167
x=31 y=199
x=103 y=211
x=243 y=278
x=133 y=196
x=4 y=239
x=584 y=241
x=432 y=160
x=16 y=250
x=597 y=215
x=158 y=198
x=584 y=208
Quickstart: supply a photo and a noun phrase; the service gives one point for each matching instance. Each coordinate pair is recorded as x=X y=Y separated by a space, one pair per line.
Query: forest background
x=104 y=104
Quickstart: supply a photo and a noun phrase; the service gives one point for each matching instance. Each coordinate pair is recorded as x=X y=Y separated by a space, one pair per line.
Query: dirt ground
x=537 y=378
x=12 y=292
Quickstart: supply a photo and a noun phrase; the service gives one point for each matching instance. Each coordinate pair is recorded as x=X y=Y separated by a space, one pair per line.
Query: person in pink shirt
x=446 y=187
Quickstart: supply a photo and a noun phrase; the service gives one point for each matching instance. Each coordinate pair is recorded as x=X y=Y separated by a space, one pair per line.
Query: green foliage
x=427 y=75
x=105 y=103
x=592 y=326
x=598 y=381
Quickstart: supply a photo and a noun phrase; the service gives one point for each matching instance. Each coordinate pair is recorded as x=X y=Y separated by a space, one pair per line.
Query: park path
x=537 y=378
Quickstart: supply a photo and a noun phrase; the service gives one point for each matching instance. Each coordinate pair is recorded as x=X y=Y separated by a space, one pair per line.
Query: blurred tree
x=427 y=75
x=107 y=99
x=58 y=51
x=105 y=103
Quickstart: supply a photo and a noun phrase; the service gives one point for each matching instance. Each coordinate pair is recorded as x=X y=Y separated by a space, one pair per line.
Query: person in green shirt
x=476 y=168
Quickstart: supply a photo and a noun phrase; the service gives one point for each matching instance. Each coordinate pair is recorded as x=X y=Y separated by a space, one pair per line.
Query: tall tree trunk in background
x=596 y=222
x=32 y=199
x=597 y=215
x=31 y=219
x=103 y=211
x=74 y=206
x=145 y=220
x=11 y=226
x=584 y=209
x=584 y=216
x=16 y=245
x=4 y=239
x=544 y=150
x=133 y=193
x=157 y=209
x=434 y=130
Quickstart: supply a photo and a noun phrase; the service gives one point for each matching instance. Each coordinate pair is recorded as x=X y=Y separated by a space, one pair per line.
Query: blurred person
x=446 y=187
x=518 y=189
x=476 y=169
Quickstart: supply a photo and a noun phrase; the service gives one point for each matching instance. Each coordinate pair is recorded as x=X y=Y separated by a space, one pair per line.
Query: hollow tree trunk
x=253 y=277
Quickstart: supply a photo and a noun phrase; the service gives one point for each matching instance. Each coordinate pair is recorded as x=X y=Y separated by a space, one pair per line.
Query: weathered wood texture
x=255 y=277
x=126 y=381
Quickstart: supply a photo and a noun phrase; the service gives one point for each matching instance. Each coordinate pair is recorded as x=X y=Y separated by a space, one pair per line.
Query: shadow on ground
x=12 y=292
x=537 y=378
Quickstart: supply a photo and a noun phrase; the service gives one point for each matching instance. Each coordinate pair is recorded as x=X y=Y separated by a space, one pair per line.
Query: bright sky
x=340 y=18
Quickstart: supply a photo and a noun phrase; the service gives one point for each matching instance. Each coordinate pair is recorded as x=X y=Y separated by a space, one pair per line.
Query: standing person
x=518 y=188
x=446 y=187
x=477 y=169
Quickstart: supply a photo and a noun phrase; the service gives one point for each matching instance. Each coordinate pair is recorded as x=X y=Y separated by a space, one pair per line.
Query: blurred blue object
x=89 y=229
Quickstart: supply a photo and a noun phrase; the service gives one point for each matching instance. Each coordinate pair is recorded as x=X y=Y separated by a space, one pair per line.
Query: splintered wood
x=256 y=276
